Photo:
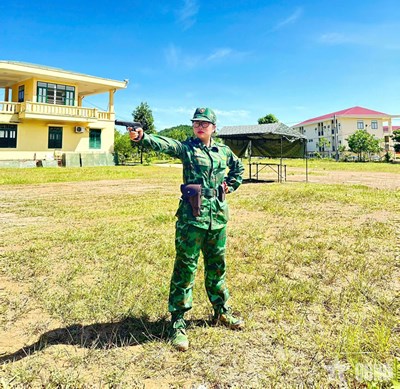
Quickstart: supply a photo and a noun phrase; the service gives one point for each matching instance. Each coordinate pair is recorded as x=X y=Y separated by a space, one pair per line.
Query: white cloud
x=176 y=58
x=379 y=36
x=225 y=53
x=219 y=54
x=172 y=55
x=187 y=14
x=233 y=113
x=337 y=38
x=290 y=19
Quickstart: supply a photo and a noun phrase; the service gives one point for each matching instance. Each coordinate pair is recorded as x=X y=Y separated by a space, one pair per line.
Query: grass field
x=86 y=257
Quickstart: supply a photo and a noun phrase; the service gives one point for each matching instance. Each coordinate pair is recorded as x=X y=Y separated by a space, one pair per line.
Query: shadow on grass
x=255 y=181
x=128 y=332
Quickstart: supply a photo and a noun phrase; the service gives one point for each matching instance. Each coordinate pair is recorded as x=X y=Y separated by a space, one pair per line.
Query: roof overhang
x=264 y=135
x=15 y=72
x=260 y=131
x=351 y=113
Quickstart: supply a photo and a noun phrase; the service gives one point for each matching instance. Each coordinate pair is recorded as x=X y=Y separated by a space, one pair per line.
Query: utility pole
x=336 y=139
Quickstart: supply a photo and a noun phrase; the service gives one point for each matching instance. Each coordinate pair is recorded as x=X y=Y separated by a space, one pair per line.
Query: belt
x=208 y=192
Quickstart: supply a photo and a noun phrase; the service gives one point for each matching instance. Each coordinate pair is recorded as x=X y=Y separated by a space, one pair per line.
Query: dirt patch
x=83 y=188
x=374 y=180
x=378 y=180
x=22 y=318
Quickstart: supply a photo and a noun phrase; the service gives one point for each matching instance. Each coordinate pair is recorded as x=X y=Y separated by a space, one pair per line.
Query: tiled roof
x=348 y=112
x=394 y=128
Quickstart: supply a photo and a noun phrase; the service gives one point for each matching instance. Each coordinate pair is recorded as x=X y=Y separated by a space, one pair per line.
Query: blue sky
x=244 y=59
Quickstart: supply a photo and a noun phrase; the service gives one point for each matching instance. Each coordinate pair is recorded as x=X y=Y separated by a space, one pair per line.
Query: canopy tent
x=274 y=140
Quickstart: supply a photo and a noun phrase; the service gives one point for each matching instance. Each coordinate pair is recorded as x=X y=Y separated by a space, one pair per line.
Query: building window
x=95 y=139
x=8 y=136
x=321 y=129
x=55 y=93
x=374 y=124
x=360 y=124
x=55 y=138
x=21 y=93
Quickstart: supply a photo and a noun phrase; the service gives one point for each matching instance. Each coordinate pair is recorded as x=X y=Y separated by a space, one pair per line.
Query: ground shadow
x=255 y=181
x=127 y=332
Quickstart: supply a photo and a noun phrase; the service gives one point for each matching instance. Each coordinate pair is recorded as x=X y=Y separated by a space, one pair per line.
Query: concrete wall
x=64 y=160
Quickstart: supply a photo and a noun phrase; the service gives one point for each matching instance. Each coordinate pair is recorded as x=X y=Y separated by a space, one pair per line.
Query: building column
x=111 y=101
x=80 y=100
x=6 y=93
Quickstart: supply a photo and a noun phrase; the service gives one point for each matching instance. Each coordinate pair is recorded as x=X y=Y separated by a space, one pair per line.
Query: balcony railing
x=10 y=108
x=30 y=109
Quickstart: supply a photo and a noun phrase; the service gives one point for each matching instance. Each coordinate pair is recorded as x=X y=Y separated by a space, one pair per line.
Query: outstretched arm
x=156 y=142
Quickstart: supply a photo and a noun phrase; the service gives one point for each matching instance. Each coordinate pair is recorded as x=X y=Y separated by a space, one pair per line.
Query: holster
x=192 y=194
x=221 y=193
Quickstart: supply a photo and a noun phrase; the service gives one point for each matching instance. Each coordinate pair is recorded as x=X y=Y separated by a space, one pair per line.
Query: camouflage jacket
x=206 y=166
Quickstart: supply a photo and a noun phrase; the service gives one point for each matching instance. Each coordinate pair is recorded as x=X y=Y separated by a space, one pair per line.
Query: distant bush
x=181 y=132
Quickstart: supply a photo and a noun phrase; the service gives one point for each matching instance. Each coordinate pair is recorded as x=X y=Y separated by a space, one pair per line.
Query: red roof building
x=348 y=112
x=327 y=134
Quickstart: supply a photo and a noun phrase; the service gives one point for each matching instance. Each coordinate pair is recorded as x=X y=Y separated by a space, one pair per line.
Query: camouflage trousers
x=189 y=241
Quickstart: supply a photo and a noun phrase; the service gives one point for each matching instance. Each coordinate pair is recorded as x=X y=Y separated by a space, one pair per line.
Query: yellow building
x=327 y=134
x=42 y=117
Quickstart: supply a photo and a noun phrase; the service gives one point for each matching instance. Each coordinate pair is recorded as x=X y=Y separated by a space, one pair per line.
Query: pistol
x=134 y=125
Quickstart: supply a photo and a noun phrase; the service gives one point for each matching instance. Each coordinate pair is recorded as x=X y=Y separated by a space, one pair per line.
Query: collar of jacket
x=199 y=143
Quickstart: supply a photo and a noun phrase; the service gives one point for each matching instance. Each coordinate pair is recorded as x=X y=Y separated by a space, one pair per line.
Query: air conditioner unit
x=79 y=130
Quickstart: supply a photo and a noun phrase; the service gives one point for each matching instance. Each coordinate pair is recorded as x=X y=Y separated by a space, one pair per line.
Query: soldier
x=201 y=219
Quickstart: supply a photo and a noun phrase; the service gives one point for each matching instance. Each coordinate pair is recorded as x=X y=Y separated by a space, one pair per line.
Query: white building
x=328 y=133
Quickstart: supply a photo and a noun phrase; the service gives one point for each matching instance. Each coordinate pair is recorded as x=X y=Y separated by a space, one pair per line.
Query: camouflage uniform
x=207 y=232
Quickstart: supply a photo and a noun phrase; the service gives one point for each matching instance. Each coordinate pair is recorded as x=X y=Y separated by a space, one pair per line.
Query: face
x=203 y=130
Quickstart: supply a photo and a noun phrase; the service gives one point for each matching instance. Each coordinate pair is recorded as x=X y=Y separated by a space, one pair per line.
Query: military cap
x=205 y=115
